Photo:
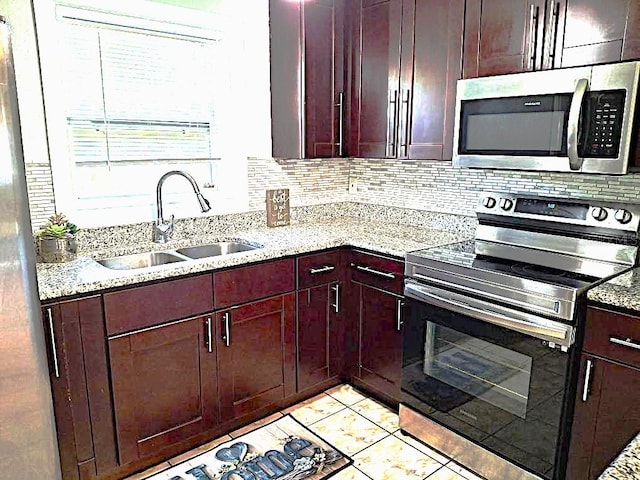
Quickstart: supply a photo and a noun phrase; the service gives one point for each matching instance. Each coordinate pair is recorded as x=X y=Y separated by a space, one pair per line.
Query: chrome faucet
x=164 y=229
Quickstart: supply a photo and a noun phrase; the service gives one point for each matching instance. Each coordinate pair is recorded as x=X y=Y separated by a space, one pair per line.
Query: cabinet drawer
x=151 y=305
x=242 y=285
x=381 y=272
x=613 y=335
x=318 y=268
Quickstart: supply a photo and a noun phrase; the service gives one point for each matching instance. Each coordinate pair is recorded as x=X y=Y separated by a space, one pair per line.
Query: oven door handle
x=554 y=332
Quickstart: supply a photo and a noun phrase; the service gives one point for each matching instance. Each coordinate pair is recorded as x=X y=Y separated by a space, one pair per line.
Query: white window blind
x=136 y=96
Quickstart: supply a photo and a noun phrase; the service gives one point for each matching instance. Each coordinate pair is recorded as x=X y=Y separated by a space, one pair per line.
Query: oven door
x=488 y=373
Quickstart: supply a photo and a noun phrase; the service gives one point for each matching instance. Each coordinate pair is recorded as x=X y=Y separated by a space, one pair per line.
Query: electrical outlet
x=353 y=186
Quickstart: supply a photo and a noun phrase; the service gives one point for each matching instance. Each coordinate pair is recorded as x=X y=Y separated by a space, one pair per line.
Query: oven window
x=478 y=368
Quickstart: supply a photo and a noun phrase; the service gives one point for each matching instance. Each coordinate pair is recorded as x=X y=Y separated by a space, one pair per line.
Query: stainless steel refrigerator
x=28 y=447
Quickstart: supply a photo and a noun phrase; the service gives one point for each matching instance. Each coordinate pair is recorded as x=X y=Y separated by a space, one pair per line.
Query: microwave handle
x=575 y=162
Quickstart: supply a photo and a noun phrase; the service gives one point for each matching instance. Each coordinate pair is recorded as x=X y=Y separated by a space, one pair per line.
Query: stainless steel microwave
x=566 y=120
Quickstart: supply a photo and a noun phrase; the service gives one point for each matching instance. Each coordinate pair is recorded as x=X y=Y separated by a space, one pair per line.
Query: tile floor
x=362 y=428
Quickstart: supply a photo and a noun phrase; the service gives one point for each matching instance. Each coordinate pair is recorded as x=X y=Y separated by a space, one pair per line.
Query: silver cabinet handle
x=364 y=268
x=54 y=348
x=533 y=36
x=405 y=142
x=553 y=27
x=326 y=268
x=575 y=162
x=399 y=305
x=587 y=381
x=209 y=336
x=226 y=335
x=340 y=106
x=336 y=305
x=392 y=124
x=625 y=342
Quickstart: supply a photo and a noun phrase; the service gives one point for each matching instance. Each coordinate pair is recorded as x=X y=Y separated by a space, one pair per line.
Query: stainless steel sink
x=140 y=260
x=215 y=249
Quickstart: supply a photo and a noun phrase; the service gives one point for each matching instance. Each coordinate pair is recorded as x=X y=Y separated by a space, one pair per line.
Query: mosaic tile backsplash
x=422 y=185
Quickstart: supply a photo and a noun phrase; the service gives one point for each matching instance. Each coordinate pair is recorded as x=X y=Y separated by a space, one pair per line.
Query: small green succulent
x=58 y=226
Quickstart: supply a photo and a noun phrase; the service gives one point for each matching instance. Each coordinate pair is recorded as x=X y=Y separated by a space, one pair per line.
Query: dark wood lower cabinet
x=379 y=325
x=320 y=335
x=75 y=335
x=164 y=386
x=256 y=355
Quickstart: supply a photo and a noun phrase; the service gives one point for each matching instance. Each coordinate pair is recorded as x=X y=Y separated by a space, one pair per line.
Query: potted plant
x=57 y=240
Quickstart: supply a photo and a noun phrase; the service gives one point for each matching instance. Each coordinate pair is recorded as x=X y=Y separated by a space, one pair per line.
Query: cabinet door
x=80 y=387
x=324 y=78
x=164 y=386
x=606 y=418
x=594 y=31
x=503 y=36
x=380 y=342
x=319 y=335
x=256 y=355
x=376 y=96
x=431 y=64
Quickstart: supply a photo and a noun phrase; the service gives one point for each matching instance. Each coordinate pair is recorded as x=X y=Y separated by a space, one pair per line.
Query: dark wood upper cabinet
x=256 y=355
x=164 y=386
x=506 y=36
x=307 y=78
x=407 y=58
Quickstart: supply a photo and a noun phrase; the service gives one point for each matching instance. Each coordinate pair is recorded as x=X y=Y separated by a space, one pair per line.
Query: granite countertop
x=626 y=466
x=85 y=275
x=622 y=291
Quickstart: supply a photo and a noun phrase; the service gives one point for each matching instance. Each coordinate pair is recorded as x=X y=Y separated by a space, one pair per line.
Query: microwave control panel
x=603 y=122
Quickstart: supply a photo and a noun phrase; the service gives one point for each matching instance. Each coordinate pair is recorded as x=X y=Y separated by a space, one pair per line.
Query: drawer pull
x=625 y=342
x=326 y=268
x=373 y=271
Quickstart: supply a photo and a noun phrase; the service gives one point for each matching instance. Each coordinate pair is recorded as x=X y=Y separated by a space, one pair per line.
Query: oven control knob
x=599 y=213
x=506 y=203
x=623 y=216
x=489 y=202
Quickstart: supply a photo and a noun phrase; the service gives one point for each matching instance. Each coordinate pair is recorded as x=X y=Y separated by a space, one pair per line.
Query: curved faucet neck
x=193 y=183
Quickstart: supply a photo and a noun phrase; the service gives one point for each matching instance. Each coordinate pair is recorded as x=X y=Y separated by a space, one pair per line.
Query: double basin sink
x=153 y=259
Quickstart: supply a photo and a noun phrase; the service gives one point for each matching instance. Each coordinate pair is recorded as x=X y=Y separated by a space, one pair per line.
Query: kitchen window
x=132 y=94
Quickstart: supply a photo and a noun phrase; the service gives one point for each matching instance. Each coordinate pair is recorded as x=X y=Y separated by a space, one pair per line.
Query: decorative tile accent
x=314 y=409
x=40 y=192
x=346 y=394
x=348 y=431
x=392 y=459
x=379 y=414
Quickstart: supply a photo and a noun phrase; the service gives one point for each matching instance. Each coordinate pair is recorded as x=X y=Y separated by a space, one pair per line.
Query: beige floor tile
x=314 y=409
x=445 y=474
x=378 y=413
x=350 y=473
x=348 y=431
x=346 y=394
x=151 y=471
x=256 y=424
x=463 y=472
x=197 y=451
x=422 y=447
x=393 y=459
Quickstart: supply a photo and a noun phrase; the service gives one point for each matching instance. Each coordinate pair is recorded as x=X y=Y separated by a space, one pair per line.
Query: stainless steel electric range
x=493 y=327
